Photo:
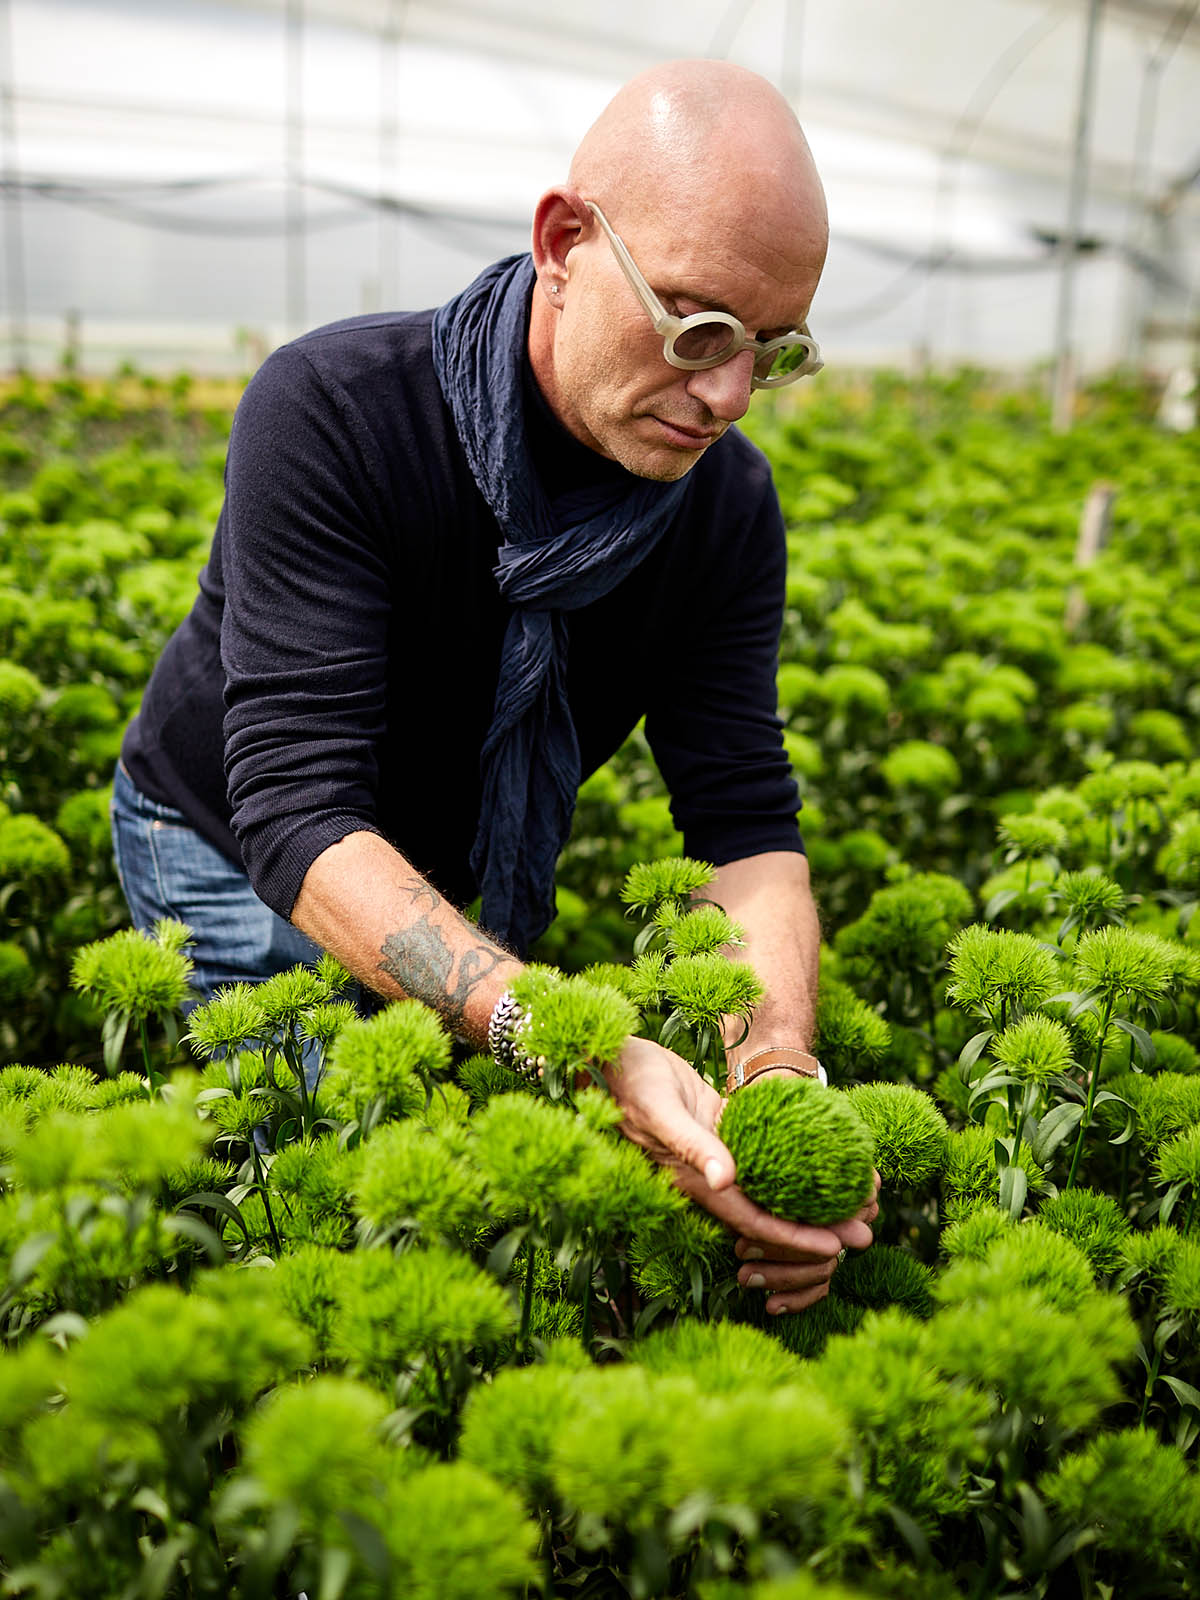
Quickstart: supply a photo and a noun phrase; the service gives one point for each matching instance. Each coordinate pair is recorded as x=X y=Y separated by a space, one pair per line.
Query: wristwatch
x=801 y=1062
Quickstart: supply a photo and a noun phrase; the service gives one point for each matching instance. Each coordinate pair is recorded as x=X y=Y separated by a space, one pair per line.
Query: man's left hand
x=795 y=1279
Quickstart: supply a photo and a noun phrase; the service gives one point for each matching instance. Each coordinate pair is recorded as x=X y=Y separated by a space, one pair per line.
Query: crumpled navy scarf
x=530 y=761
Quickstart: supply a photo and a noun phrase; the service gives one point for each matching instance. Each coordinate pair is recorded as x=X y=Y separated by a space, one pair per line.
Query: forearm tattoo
x=420 y=960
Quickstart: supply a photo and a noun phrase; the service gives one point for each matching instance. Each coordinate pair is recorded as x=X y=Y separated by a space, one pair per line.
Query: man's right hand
x=671 y=1112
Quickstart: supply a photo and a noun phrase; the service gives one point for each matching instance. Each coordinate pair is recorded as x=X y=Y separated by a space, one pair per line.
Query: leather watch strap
x=802 y=1062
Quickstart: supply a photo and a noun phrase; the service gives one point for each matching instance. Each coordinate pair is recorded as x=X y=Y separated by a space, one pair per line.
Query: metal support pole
x=792 y=77
x=14 y=221
x=389 y=154
x=295 y=275
x=1064 y=355
x=1136 y=232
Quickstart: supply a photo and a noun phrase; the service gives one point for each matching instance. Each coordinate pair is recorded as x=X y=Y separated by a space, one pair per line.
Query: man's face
x=615 y=390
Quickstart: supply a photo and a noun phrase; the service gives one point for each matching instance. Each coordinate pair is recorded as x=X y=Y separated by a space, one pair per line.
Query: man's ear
x=560 y=220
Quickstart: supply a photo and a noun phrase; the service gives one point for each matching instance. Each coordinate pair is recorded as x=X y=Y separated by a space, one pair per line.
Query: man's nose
x=725 y=390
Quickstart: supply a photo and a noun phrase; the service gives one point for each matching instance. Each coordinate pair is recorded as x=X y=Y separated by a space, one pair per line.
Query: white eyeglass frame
x=670 y=327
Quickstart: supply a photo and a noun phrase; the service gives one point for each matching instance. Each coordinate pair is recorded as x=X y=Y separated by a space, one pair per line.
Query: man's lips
x=690 y=438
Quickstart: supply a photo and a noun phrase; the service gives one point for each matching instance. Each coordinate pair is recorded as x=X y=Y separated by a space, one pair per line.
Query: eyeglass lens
x=704 y=340
x=709 y=341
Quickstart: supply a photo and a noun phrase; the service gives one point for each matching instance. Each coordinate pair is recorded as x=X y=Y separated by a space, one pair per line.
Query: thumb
x=697 y=1146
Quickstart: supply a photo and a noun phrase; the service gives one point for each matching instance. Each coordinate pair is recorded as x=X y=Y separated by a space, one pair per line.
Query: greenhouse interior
x=599 y=807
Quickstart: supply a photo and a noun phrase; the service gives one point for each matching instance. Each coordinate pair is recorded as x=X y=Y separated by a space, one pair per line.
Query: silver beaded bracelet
x=503 y=1035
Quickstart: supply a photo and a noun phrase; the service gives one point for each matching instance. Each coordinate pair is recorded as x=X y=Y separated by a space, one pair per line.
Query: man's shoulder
x=393 y=346
x=373 y=372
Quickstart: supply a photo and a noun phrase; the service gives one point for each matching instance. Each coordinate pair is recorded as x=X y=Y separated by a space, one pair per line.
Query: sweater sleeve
x=304 y=630
x=713 y=720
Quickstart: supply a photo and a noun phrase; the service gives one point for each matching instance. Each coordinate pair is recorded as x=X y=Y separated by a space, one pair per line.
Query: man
x=460 y=555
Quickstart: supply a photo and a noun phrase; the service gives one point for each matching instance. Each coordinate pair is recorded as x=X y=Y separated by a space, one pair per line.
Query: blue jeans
x=167 y=870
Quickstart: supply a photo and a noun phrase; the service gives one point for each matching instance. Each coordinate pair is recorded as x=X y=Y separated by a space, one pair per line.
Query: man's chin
x=659 y=463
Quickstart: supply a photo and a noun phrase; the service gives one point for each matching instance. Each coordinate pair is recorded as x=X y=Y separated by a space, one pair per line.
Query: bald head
x=692 y=138
x=701 y=168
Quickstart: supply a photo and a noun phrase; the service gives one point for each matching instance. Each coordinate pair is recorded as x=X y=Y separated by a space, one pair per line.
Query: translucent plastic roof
x=182 y=169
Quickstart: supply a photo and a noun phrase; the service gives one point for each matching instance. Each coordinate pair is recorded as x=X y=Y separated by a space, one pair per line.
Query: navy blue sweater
x=338 y=669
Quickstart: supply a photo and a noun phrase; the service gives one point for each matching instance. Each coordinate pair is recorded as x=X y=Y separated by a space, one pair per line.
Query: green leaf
x=1170 y=1199
x=675 y=1027
x=1058 y=1124
x=1014 y=1185
x=504 y=1252
x=199 y=1233
x=208 y=1199
x=974 y=1047
x=66 y=1325
x=988 y=1085
x=998 y=902
x=650 y=1314
x=112 y=1039
x=369 y=1544
x=1186 y=1392
x=1142 y=1040
x=336 y=1567
x=27 y=1258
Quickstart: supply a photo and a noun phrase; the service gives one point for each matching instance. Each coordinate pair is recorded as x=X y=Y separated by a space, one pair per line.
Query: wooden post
x=1094 y=527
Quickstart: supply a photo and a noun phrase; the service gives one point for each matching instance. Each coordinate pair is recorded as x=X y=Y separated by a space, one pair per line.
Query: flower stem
x=153 y=1078
x=266 y=1198
x=1151 y=1380
x=1085 y=1121
x=527 y=1298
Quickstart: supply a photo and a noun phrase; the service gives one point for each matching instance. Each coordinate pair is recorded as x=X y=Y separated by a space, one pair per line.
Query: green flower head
x=1031 y=1258
x=388 y=1056
x=131 y=973
x=317 y=1448
x=1178 y=1160
x=721 y=1357
x=232 y=1018
x=908 y=1129
x=1027 y=834
x=801 y=1150
x=1035 y=1049
x=1120 y=963
x=1089 y=893
x=411 y=1177
x=920 y=765
x=1094 y=1223
x=702 y=931
x=30 y=851
x=1133 y=1489
x=990 y=968
x=706 y=988
x=676 y=878
x=885 y=1276
x=850 y=1036
x=1179 y=858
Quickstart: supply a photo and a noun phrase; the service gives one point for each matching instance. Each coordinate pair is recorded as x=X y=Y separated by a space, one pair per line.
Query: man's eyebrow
x=715 y=305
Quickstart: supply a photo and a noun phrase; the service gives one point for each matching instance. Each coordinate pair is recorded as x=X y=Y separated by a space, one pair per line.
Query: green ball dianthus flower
x=801 y=1150
x=908 y=1130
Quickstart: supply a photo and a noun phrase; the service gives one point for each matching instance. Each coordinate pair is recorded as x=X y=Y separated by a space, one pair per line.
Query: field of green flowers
x=431 y=1330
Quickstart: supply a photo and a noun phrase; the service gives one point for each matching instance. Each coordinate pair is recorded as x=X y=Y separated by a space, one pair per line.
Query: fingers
x=782 y=1277
x=854 y=1235
x=753 y=1224
x=778 y=1305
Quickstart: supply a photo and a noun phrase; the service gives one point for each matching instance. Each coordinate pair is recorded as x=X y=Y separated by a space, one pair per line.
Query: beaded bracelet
x=503 y=1034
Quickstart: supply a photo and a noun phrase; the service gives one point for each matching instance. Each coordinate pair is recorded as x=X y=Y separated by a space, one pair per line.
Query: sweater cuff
x=278 y=855
x=722 y=845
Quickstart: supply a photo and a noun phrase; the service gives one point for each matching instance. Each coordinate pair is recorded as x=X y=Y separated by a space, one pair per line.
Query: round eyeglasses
x=707 y=338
